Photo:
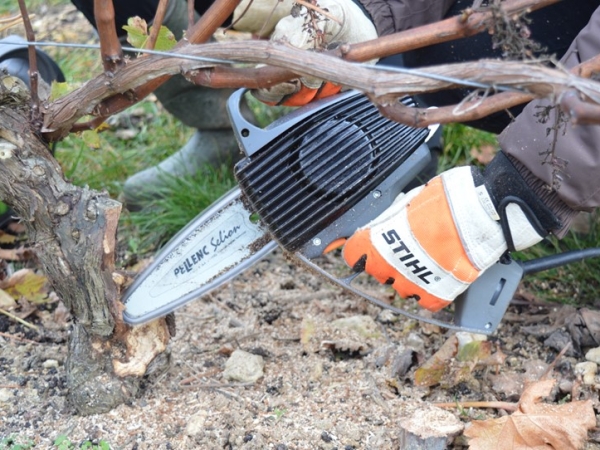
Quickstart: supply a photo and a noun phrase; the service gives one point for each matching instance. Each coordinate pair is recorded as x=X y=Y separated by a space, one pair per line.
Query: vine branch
x=110 y=47
x=103 y=95
x=382 y=87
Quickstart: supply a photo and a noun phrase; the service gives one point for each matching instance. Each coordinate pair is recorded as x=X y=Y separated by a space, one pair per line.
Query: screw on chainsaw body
x=316 y=242
x=376 y=194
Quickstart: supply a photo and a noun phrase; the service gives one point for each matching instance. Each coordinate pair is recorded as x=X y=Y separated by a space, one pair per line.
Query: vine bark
x=73 y=232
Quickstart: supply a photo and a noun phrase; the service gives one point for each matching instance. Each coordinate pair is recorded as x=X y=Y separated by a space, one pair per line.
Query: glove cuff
x=260 y=16
x=549 y=197
x=507 y=185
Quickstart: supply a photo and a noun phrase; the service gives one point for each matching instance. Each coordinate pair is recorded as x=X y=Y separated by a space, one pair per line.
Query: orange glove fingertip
x=334 y=245
x=359 y=245
x=327 y=90
x=302 y=97
x=406 y=288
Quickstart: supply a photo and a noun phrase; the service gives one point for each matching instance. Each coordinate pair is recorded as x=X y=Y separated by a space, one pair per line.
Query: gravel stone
x=593 y=355
x=244 y=367
x=587 y=370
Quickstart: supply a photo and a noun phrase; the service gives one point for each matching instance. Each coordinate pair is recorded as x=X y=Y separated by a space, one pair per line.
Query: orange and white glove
x=434 y=241
x=339 y=22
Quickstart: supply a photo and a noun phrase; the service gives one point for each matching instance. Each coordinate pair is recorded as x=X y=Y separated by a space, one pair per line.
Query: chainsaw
x=307 y=182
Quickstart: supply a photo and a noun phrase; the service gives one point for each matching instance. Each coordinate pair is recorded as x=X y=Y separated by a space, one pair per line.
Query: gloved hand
x=343 y=23
x=259 y=17
x=434 y=241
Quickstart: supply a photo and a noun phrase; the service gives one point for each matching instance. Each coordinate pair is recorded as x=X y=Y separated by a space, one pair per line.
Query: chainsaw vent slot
x=315 y=171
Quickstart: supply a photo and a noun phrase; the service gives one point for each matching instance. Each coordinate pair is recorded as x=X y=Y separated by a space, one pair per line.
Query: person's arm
x=391 y=16
x=562 y=159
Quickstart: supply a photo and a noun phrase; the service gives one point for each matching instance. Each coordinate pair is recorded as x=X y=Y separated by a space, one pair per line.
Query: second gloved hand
x=339 y=22
x=433 y=242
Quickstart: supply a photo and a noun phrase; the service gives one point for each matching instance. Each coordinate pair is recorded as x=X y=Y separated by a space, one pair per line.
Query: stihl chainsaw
x=307 y=181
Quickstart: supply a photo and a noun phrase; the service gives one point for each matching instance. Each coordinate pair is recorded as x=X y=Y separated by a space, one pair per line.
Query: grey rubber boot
x=205 y=148
x=197 y=107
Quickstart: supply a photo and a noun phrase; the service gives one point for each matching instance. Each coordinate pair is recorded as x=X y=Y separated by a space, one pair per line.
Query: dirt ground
x=327 y=383
x=333 y=372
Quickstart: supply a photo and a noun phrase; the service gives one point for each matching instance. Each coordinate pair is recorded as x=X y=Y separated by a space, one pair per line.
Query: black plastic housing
x=304 y=179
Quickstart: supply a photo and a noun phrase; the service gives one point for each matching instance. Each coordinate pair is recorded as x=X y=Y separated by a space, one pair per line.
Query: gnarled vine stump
x=73 y=232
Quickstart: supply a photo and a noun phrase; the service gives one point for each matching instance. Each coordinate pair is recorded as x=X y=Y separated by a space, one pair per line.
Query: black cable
x=550 y=262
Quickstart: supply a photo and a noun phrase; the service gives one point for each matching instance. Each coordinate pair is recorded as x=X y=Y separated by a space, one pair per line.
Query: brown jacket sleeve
x=568 y=160
x=390 y=16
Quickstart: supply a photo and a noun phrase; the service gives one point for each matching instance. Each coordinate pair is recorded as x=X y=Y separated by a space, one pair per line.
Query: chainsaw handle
x=250 y=138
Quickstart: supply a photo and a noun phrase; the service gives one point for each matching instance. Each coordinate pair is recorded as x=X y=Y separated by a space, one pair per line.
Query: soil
x=326 y=384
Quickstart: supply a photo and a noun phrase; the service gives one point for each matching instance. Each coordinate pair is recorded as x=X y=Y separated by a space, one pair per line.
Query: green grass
x=182 y=199
x=459 y=141
x=576 y=283
x=16 y=443
x=157 y=135
x=103 y=161
x=62 y=442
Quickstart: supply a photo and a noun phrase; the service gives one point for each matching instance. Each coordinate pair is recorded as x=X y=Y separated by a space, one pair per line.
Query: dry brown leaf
x=579 y=326
x=25 y=308
x=484 y=154
x=511 y=384
x=535 y=425
x=16 y=228
x=6 y=301
x=16 y=254
x=61 y=315
x=307 y=331
x=450 y=365
x=6 y=238
x=430 y=373
x=25 y=283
